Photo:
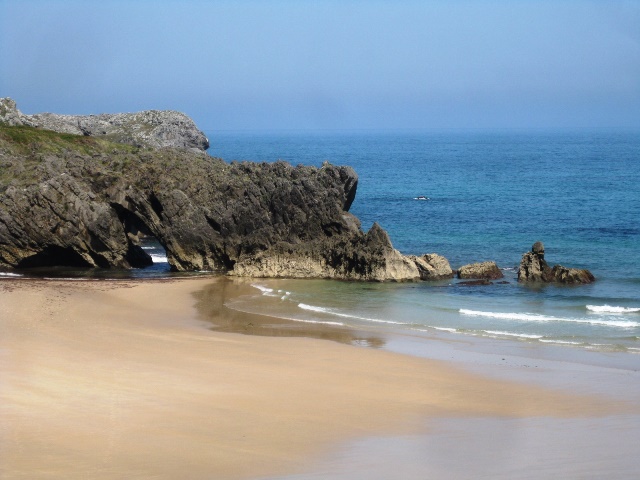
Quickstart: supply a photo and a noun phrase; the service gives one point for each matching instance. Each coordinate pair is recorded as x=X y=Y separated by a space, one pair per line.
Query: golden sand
x=121 y=379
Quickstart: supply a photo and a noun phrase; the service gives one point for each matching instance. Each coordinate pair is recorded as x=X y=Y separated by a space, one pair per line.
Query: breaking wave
x=612 y=309
x=158 y=258
x=532 y=317
x=329 y=311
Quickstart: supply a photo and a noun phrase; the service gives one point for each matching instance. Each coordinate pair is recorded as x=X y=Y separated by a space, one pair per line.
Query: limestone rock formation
x=9 y=113
x=150 y=128
x=432 y=266
x=534 y=268
x=482 y=270
x=83 y=201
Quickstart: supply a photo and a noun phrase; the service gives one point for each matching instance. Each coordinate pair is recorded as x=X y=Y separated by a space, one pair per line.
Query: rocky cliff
x=84 y=201
x=150 y=128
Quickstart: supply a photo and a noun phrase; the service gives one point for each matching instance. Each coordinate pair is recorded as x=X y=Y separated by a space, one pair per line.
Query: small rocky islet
x=82 y=191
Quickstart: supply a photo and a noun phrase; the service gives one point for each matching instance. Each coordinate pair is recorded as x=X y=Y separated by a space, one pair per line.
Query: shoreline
x=126 y=378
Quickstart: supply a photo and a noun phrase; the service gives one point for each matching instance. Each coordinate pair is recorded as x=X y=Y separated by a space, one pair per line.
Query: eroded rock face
x=150 y=128
x=82 y=201
x=206 y=213
x=482 y=270
x=534 y=268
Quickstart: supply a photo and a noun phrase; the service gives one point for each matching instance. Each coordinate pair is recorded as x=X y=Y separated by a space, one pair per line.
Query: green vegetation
x=29 y=140
x=31 y=155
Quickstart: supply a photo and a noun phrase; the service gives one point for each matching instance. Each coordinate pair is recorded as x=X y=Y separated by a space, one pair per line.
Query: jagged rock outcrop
x=432 y=266
x=150 y=128
x=482 y=270
x=9 y=113
x=534 y=268
x=83 y=201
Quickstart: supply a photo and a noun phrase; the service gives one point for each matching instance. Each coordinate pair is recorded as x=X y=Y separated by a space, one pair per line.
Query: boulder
x=534 y=268
x=482 y=270
x=432 y=266
x=150 y=128
x=571 y=275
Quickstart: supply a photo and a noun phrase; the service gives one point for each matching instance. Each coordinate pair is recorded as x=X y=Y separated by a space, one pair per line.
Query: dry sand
x=121 y=379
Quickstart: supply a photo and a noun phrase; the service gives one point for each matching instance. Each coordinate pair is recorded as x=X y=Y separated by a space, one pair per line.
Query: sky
x=329 y=65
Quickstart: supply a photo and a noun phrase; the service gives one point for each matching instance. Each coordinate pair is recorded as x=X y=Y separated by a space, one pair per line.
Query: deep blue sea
x=491 y=195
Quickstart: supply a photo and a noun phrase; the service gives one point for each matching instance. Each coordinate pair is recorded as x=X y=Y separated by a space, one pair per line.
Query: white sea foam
x=561 y=342
x=511 y=334
x=339 y=324
x=612 y=309
x=329 y=311
x=159 y=258
x=9 y=274
x=446 y=329
x=532 y=317
x=510 y=316
x=234 y=306
x=261 y=288
x=304 y=306
x=148 y=248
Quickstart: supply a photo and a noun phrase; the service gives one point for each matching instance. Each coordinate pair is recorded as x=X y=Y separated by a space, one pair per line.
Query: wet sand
x=125 y=379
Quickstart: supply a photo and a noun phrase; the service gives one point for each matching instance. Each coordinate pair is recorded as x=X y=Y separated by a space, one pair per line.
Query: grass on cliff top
x=25 y=154
x=28 y=155
x=30 y=140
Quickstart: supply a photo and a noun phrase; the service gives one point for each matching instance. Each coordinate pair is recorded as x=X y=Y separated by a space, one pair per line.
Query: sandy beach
x=127 y=379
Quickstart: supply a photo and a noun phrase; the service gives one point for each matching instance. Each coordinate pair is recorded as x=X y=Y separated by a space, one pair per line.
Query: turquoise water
x=491 y=196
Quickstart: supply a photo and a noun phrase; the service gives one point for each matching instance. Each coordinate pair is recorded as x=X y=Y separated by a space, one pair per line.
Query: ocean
x=491 y=195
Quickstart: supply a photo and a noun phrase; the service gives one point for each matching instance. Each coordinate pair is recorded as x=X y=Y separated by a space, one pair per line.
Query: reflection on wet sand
x=210 y=304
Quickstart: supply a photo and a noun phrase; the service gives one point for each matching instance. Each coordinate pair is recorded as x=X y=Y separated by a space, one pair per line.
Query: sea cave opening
x=146 y=251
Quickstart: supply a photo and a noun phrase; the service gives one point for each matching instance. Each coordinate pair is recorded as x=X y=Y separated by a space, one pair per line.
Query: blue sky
x=340 y=65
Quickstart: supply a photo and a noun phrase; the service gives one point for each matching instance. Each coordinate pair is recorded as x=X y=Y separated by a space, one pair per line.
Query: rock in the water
x=534 y=268
x=150 y=128
x=432 y=266
x=482 y=270
x=571 y=275
x=538 y=249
